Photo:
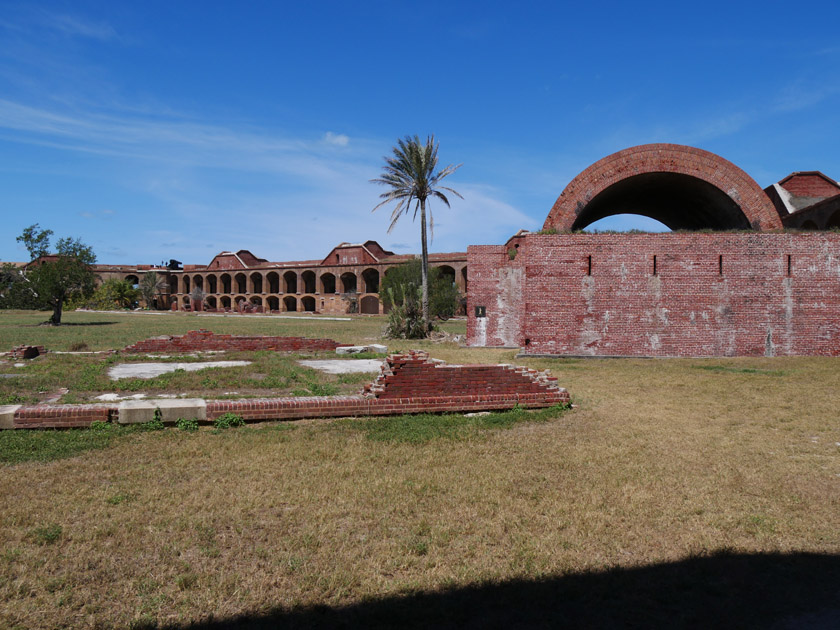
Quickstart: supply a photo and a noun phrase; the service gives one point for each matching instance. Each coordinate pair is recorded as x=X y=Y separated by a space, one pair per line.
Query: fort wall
x=671 y=294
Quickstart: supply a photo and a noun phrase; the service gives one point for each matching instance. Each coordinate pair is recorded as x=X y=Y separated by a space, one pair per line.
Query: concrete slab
x=151 y=370
x=345 y=366
x=373 y=347
x=7 y=416
x=172 y=410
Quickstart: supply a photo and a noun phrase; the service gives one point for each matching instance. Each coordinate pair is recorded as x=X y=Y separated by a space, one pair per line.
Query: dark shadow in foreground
x=723 y=590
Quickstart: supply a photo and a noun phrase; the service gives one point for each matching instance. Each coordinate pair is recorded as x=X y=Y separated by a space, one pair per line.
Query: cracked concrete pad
x=151 y=370
x=172 y=410
x=7 y=416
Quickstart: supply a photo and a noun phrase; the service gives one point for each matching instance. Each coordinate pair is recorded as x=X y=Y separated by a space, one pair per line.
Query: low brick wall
x=199 y=340
x=27 y=352
x=409 y=383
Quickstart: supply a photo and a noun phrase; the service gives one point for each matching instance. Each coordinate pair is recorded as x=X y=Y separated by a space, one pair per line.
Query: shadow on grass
x=723 y=590
x=87 y=324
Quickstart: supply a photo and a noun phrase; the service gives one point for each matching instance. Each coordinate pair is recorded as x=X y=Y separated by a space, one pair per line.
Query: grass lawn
x=678 y=493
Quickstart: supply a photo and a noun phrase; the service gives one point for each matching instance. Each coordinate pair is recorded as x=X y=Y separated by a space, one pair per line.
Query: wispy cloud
x=78 y=27
x=337 y=139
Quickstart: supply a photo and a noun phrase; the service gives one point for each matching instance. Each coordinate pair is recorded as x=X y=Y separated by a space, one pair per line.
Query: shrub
x=187 y=424
x=156 y=423
x=228 y=420
x=405 y=319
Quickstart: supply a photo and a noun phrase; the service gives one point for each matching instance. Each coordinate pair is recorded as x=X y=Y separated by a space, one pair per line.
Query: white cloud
x=337 y=139
x=74 y=26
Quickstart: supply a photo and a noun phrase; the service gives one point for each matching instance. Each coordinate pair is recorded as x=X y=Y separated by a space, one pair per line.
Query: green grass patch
x=739 y=370
x=423 y=428
x=47 y=445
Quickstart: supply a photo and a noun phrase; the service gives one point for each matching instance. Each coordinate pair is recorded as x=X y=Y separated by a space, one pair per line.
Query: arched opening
x=273 y=303
x=241 y=283
x=212 y=284
x=289 y=303
x=682 y=187
x=833 y=221
x=186 y=284
x=257 y=282
x=327 y=283
x=239 y=303
x=226 y=283
x=256 y=300
x=680 y=202
x=173 y=284
x=447 y=272
x=348 y=282
x=308 y=304
x=369 y=305
x=273 y=279
x=290 y=280
x=132 y=280
x=210 y=303
x=308 y=279
x=370 y=277
x=198 y=282
x=225 y=301
x=464 y=279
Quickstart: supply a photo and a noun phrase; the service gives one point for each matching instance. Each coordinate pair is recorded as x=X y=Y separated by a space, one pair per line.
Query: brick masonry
x=26 y=352
x=409 y=383
x=203 y=340
x=671 y=294
x=663 y=158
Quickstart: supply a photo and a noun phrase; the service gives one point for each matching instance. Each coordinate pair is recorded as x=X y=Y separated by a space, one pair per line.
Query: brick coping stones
x=408 y=383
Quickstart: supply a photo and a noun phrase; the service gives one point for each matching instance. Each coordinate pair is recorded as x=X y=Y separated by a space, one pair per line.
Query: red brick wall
x=198 y=340
x=414 y=375
x=688 y=308
x=811 y=185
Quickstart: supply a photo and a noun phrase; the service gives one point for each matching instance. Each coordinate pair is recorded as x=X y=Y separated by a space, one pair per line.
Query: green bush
x=228 y=420
x=403 y=280
x=156 y=423
x=187 y=424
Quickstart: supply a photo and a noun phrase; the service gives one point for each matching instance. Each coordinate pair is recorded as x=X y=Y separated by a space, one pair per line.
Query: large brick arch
x=683 y=187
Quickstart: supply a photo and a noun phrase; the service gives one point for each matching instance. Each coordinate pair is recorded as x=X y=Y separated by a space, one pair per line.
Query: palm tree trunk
x=424 y=264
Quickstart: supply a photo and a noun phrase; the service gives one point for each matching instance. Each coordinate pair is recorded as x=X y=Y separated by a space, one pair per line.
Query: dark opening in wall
x=589 y=265
x=654 y=265
x=720 y=265
x=788 y=264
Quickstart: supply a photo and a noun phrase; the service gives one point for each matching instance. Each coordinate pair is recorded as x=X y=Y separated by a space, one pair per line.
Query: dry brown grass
x=662 y=459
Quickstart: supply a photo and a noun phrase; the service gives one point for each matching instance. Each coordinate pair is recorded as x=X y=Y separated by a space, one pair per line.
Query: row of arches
x=257 y=282
x=274 y=282
x=369 y=304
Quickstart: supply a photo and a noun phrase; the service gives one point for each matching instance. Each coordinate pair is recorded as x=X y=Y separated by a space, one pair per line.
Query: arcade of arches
x=346 y=280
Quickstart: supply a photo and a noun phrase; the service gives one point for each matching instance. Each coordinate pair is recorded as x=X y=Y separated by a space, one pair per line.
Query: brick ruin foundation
x=408 y=383
x=205 y=340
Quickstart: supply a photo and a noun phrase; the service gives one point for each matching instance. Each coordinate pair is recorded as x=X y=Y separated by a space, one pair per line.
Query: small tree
x=150 y=285
x=57 y=278
x=444 y=296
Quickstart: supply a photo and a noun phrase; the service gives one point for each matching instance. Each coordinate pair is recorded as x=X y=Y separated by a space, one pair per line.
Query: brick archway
x=683 y=187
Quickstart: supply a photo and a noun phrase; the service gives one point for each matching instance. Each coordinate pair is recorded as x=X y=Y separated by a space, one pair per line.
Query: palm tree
x=150 y=284
x=410 y=176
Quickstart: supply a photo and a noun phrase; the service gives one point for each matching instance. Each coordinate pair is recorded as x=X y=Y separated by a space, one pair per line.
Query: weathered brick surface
x=414 y=375
x=61 y=416
x=202 y=340
x=664 y=158
x=26 y=352
x=713 y=294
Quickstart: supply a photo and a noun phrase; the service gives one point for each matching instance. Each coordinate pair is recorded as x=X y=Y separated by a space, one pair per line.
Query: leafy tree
x=120 y=293
x=444 y=296
x=150 y=285
x=411 y=177
x=60 y=277
x=15 y=291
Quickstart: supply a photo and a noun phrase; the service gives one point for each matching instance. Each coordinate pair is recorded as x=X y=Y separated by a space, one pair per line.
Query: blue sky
x=156 y=130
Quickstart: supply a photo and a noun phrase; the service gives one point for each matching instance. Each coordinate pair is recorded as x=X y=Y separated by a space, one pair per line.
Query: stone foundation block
x=172 y=410
x=7 y=416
